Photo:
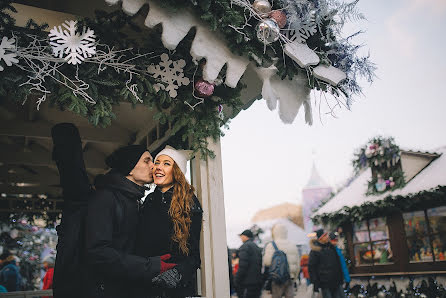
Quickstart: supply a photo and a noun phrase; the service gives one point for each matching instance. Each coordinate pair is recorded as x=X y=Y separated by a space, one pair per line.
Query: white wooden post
x=207 y=178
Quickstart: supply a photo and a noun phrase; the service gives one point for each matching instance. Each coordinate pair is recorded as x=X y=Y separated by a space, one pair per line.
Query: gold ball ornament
x=279 y=16
x=262 y=7
x=268 y=31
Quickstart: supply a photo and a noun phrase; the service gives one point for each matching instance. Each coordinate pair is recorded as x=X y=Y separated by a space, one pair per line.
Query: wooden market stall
x=397 y=232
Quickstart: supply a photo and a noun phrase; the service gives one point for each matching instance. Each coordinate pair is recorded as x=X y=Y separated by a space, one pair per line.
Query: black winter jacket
x=250 y=265
x=154 y=238
x=324 y=266
x=111 y=232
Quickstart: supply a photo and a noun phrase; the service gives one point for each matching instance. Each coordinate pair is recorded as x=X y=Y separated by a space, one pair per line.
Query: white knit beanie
x=179 y=156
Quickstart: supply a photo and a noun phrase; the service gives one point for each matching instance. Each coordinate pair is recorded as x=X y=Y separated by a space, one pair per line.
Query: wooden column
x=207 y=178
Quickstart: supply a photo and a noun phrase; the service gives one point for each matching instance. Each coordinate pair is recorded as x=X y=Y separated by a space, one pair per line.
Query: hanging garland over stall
x=89 y=65
x=383 y=157
x=390 y=204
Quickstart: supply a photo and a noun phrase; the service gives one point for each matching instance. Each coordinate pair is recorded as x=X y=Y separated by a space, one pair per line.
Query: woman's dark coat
x=112 y=221
x=324 y=266
x=154 y=238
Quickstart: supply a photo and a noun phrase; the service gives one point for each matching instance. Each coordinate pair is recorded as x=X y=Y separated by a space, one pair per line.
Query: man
x=325 y=267
x=248 y=280
x=280 y=237
x=334 y=241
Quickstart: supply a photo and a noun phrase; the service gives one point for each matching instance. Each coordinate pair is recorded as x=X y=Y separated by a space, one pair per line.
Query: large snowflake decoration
x=171 y=73
x=7 y=52
x=76 y=46
x=302 y=29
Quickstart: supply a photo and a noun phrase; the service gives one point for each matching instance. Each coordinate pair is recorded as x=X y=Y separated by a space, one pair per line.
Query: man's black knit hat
x=125 y=158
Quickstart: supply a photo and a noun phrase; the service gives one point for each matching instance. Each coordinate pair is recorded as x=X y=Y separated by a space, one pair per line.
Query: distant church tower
x=312 y=194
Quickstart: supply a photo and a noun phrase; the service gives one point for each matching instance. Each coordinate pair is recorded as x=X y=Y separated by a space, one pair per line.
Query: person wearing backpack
x=248 y=280
x=282 y=258
x=325 y=267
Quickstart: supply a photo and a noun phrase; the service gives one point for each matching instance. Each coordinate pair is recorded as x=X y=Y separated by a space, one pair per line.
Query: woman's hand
x=169 y=279
x=166 y=266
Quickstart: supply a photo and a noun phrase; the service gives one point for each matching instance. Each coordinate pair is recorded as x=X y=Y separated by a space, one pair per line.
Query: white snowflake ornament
x=171 y=73
x=7 y=52
x=74 y=45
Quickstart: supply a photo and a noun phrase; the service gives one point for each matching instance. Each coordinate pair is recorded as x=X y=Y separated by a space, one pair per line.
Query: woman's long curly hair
x=180 y=209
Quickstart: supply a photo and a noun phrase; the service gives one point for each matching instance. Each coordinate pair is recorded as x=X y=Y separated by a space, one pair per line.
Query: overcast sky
x=266 y=162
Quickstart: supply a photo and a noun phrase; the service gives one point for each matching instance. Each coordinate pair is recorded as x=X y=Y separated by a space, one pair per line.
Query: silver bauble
x=268 y=31
x=381 y=294
x=262 y=7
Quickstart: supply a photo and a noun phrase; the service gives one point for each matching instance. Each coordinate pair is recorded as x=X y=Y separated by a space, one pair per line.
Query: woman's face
x=163 y=172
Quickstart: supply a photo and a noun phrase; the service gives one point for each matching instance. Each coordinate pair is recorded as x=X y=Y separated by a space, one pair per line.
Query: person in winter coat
x=10 y=276
x=280 y=237
x=48 y=265
x=334 y=241
x=170 y=222
x=304 y=268
x=325 y=267
x=111 y=227
x=248 y=281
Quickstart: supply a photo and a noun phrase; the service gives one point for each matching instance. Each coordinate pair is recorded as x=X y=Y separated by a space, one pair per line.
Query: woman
x=170 y=223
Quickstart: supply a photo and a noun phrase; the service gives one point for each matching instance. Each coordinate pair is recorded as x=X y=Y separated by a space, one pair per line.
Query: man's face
x=244 y=238
x=142 y=173
x=324 y=238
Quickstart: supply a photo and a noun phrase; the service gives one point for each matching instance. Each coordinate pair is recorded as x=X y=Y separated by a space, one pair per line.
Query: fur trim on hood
x=315 y=245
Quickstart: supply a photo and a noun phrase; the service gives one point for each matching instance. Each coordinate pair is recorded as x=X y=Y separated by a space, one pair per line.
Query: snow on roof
x=354 y=195
x=316 y=180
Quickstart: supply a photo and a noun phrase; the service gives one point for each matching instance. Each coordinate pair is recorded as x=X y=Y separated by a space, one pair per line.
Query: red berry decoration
x=279 y=16
x=204 y=88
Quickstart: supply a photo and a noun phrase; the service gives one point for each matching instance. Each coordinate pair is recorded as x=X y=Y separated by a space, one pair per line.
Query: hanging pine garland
x=91 y=85
x=383 y=157
x=390 y=204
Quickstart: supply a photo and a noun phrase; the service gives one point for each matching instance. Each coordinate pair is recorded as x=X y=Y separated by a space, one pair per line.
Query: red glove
x=166 y=266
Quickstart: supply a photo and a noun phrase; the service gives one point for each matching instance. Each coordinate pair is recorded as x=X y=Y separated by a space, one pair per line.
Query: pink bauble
x=279 y=16
x=204 y=88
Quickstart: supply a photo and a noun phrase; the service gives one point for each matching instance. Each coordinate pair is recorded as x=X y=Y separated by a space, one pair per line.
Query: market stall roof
x=355 y=194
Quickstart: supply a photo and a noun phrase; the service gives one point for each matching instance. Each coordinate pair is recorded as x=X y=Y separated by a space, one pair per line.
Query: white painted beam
x=207 y=177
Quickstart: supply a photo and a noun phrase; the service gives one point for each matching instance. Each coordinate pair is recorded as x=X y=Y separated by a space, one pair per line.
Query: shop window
x=371 y=243
x=426 y=235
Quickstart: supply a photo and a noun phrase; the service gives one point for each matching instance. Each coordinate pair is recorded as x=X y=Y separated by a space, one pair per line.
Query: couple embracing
x=131 y=249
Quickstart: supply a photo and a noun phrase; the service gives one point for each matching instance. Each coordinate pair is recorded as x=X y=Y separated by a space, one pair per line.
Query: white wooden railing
x=28 y=294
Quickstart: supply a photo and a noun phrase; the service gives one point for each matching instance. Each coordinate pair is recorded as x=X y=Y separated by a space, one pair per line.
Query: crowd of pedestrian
x=280 y=270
